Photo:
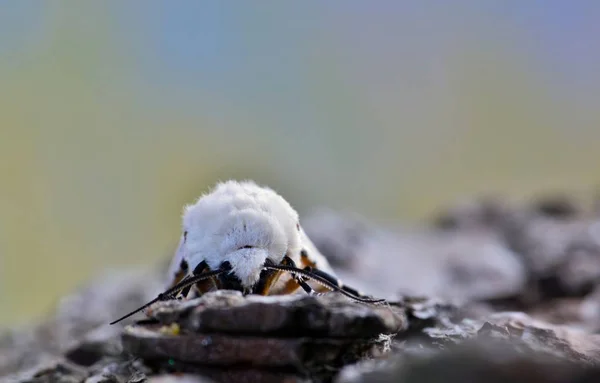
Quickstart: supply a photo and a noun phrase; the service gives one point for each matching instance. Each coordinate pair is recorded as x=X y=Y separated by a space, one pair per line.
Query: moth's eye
x=298 y=226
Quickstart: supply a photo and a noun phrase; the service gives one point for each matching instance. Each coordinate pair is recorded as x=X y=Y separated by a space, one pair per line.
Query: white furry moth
x=245 y=237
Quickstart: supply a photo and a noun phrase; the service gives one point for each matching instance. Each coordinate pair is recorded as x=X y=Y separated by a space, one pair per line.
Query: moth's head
x=238 y=225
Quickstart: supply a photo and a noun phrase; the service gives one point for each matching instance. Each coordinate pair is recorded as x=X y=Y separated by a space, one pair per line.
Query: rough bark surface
x=490 y=292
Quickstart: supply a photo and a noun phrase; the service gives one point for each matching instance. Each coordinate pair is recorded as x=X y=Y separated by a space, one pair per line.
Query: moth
x=245 y=237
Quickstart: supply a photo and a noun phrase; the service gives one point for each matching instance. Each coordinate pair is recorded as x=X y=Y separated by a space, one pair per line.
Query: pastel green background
x=113 y=115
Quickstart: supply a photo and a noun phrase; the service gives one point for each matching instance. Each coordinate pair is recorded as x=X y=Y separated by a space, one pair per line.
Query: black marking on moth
x=200 y=268
x=183 y=265
x=229 y=281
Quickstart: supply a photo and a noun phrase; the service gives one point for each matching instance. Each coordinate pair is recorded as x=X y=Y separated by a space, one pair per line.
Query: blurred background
x=113 y=115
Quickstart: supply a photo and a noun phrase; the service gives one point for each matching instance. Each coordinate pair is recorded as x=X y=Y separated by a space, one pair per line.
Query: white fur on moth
x=244 y=224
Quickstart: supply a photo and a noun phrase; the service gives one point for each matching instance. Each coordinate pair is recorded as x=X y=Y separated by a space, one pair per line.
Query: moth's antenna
x=168 y=294
x=159 y=298
x=322 y=281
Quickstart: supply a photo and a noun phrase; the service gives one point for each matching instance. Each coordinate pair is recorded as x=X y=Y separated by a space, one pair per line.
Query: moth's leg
x=308 y=263
x=205 y=285
x=182 y=294
x=296 y=281
x=290 y=286
x=336 y=282
x=306 y=287
x=268 y=278
x=266 y=281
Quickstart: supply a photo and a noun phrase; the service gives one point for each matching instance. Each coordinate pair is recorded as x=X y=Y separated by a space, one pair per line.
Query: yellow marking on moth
x=306 y=261
x=290 y=286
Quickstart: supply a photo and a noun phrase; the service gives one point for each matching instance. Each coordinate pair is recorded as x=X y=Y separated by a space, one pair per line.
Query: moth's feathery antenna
x=322 y=281
x=167 y=294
